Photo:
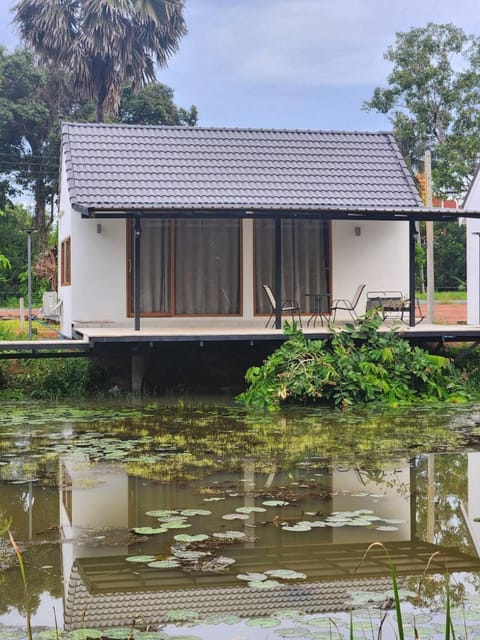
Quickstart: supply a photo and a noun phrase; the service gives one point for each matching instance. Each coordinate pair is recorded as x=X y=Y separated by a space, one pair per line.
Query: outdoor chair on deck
x=287 y=306
x=347 y=305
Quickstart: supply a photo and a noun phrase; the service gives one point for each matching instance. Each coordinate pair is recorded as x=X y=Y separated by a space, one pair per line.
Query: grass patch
x=445 y=296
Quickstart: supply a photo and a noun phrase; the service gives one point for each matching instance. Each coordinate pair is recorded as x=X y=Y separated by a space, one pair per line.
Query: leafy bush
x=50 y=378
x=358 y=364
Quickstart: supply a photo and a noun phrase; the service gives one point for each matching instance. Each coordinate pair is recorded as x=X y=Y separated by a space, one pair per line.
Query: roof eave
x=328 y=212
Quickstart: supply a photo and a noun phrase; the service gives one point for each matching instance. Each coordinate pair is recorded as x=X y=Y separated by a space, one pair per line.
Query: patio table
x=321 y=307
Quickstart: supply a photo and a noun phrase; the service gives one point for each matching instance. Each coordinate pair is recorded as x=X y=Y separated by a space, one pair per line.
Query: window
x=305 y=260
x=190 y=267
x=66 y=263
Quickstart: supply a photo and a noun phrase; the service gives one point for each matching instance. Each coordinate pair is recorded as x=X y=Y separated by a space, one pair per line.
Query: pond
x=188 y=519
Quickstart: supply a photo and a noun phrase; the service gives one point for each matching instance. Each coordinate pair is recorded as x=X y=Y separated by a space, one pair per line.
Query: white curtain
x=305 y=261
x=203 y=277
x=155 y=266
x=207 y=267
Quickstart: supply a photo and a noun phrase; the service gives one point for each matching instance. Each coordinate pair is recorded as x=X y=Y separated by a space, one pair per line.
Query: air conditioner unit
x=51 y=305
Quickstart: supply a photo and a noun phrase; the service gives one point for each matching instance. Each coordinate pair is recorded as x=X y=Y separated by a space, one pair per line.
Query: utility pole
x=429 y=240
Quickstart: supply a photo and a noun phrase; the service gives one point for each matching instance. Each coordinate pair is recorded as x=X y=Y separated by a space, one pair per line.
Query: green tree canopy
x=103 y=44
x=433 y=101
x=33 y=102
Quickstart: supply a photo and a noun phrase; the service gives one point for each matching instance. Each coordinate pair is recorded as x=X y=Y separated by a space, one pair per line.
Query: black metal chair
x=287 y=306
x=347 y=305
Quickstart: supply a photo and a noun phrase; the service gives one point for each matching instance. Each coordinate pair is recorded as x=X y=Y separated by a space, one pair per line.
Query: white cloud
x=313 y=43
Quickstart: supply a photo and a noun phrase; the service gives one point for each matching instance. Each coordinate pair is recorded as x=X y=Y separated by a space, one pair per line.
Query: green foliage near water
x=358 y=364
x=48 y=379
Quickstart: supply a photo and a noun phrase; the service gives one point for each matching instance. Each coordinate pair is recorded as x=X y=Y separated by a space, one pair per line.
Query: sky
x=296 y=64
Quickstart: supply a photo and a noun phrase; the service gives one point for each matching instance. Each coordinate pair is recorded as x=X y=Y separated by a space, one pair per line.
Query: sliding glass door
x=305 y=261
x=190 y=267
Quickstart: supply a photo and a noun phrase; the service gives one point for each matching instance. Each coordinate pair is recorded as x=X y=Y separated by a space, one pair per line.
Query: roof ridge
x=120 y=125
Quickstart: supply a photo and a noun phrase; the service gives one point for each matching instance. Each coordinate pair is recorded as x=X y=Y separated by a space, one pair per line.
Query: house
x=171 y=227
x=472 y=202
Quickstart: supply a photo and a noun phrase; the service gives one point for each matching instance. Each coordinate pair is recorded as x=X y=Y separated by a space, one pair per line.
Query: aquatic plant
x=358 y=364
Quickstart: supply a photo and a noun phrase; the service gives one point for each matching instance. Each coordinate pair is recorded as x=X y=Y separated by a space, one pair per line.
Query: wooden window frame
x=66 y=262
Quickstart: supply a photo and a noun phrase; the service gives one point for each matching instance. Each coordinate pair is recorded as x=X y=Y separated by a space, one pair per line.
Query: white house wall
x=378 y=258
x=473 y=252
x=64 y=231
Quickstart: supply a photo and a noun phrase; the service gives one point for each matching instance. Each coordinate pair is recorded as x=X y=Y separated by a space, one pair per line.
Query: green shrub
x=358 y=364
x=50 y=379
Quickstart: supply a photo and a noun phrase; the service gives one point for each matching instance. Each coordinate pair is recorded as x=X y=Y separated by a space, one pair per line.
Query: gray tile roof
x=130 y=166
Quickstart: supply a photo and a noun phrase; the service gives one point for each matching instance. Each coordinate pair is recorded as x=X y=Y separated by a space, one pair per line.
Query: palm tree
x=103 y=43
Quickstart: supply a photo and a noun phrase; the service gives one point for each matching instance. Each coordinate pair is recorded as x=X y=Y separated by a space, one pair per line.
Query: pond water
x=200 y=520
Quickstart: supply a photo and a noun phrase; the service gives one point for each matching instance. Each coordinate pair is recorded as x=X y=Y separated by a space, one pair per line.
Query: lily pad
x=387 y=528
x=141 y=559
x=161 y=513
x=250 y=509
x=300 y=527
x=235 y=516
x=149 y=531
x=83 y=634
x=182 y=615
x=286 y=574
x=222 y=618
x=275 y=503
x=195 y=512
x=164 y=564
x=184 y=537
x=229 y=535
x=252 y=577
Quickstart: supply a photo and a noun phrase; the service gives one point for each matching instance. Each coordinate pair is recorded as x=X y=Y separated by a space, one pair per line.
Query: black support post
x=412 y=232
x=137 y=233
x=278 y=273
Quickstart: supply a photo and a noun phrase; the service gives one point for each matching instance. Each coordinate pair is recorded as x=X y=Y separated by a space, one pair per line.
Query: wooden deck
x=96 y=335
x=89 y=339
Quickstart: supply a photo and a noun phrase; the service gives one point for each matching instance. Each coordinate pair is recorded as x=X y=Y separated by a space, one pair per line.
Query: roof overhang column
x=137 y=234
x=278 y=273
x=412 y=233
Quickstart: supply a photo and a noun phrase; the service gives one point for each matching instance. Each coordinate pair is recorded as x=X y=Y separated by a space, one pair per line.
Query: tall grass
x=449 y=630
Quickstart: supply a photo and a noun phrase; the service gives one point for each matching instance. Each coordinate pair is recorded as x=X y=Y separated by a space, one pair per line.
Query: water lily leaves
x=275 y=503
x=214 y=499
x=149 y=531
x=162 y=513
x=164 y=564
x=83 y=634
x=235 y=516
x=184 y=537
x=176 y=524
x=299 y=527
x=387 y=528
x=182 y=615
x=140 y=559
x=229 y=535
x=286 y=574
x=189 y=555
x=250 y=509
x=222 y=618
x=195 y=512
x=264 y=623
x=251 y=577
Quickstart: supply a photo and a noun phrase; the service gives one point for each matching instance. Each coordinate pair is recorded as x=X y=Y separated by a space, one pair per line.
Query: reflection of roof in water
x=108 y=591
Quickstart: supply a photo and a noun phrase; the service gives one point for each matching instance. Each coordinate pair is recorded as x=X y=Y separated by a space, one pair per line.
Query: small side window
x=66 y=263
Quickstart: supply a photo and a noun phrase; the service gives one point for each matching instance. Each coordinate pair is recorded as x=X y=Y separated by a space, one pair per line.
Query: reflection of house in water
x=103 y=589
